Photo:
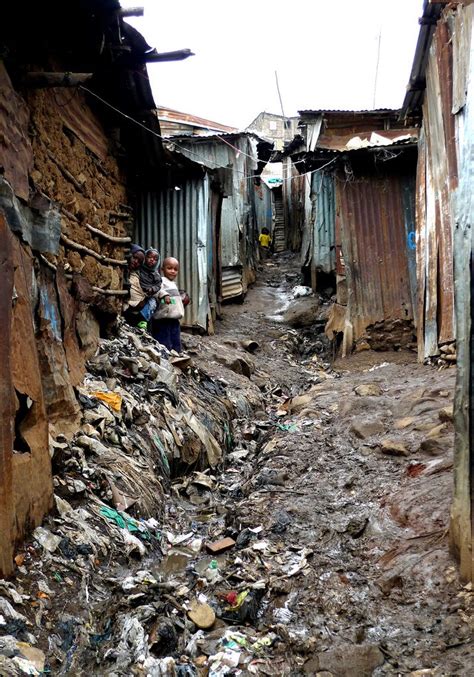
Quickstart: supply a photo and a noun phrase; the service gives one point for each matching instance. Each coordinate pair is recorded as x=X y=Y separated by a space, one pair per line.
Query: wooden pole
x=85 y=250
x=130 y=11
x=43 y=80
x=177 y=55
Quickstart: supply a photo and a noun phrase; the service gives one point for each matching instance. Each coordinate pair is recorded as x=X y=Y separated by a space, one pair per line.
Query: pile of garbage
x=131 y=573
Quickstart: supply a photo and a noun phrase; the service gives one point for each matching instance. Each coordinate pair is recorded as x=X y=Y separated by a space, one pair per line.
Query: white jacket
x=169 y=311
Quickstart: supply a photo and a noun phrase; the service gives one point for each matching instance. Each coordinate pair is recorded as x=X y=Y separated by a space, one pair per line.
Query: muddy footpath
x=253 y=507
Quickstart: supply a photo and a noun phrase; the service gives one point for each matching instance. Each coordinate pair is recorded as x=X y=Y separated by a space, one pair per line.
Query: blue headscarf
x=134 y=248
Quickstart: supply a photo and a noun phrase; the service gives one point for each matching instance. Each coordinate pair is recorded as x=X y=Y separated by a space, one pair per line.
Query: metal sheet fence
x=178 y=223
x=461 y=510
x=375 y=253
x=436 y=182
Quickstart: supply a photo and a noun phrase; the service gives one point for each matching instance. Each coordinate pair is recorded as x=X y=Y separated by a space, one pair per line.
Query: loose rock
x=202 y=615
x=394 y=448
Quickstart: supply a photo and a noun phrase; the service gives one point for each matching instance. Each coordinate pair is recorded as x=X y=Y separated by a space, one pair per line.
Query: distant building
x=279 y=129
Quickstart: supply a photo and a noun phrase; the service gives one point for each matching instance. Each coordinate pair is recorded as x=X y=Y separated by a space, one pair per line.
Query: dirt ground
x=335 y=493
x=353 y=475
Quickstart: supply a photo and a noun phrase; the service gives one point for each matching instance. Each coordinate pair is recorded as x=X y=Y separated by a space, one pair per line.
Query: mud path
x=350 y=481
x=333 y=497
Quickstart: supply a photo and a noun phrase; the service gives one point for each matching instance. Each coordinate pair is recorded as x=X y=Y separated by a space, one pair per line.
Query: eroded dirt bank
x=334 y=490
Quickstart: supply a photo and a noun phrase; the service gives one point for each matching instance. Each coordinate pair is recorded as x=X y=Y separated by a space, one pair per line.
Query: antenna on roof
x=377 y=68
x=279 y=95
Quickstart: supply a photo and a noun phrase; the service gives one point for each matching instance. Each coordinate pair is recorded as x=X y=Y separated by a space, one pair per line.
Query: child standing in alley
x=264 y=241
x=166 y=319
x=150 y=282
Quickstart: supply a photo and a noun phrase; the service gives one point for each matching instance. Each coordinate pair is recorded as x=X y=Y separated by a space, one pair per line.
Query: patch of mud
x=335 y=493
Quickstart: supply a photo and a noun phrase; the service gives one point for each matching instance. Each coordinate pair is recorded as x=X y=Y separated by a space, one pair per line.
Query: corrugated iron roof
x=322 y=111
x=172 y=115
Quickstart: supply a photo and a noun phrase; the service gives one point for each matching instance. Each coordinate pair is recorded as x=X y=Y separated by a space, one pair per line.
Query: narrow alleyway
x=334 y=493
x=350 y=478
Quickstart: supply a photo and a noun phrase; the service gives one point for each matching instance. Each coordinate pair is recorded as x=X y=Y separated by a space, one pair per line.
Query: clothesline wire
x=199 y=155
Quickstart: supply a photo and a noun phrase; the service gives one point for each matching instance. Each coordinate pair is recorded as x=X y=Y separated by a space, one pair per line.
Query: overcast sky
x=325 y=53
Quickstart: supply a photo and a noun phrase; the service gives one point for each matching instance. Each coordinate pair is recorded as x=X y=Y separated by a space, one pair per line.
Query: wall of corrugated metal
x=375 y=252
x=263 y=206
x=238 y=223
x=15 y=145
x=436 y=181
x=295 y=208
x=178 y=223
x=463 y=99
x=324 y=218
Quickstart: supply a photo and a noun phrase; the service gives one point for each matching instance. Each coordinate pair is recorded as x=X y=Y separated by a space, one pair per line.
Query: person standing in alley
x=138 y=298
x=150 y=281
x=264 y=243
x=166 y=319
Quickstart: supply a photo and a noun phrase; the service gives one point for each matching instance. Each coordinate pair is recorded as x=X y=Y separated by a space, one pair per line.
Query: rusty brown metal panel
x=444 y=57
x=16 y=155
x=420 y=221
x=31 y=465
x=441 y=180
x=374 y=245
x=60 y=400
x=6 y=402
x=461 y=41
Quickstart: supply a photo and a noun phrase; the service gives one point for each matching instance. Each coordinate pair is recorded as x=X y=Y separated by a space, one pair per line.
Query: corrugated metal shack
x=210 y=222
x=242 y=158
x=358 y=242
x=64 y=222
x=441 y=91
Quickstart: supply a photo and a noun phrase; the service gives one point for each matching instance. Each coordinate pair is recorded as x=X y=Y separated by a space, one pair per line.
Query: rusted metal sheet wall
x=374 y=245
x=461 y=509
x=238 y=221
x=178 y=223
x=434 y=209
x=25 y=469
x=15 y=148
x=295 y=191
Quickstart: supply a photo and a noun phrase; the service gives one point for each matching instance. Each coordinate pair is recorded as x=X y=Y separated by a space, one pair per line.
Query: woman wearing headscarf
x=137 y=299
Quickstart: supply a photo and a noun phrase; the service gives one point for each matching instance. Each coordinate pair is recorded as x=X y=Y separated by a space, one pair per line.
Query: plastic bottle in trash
x=212 y=572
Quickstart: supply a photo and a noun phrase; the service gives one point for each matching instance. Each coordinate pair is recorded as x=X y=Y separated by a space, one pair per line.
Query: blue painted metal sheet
x=324 y=215
x=408 y=197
